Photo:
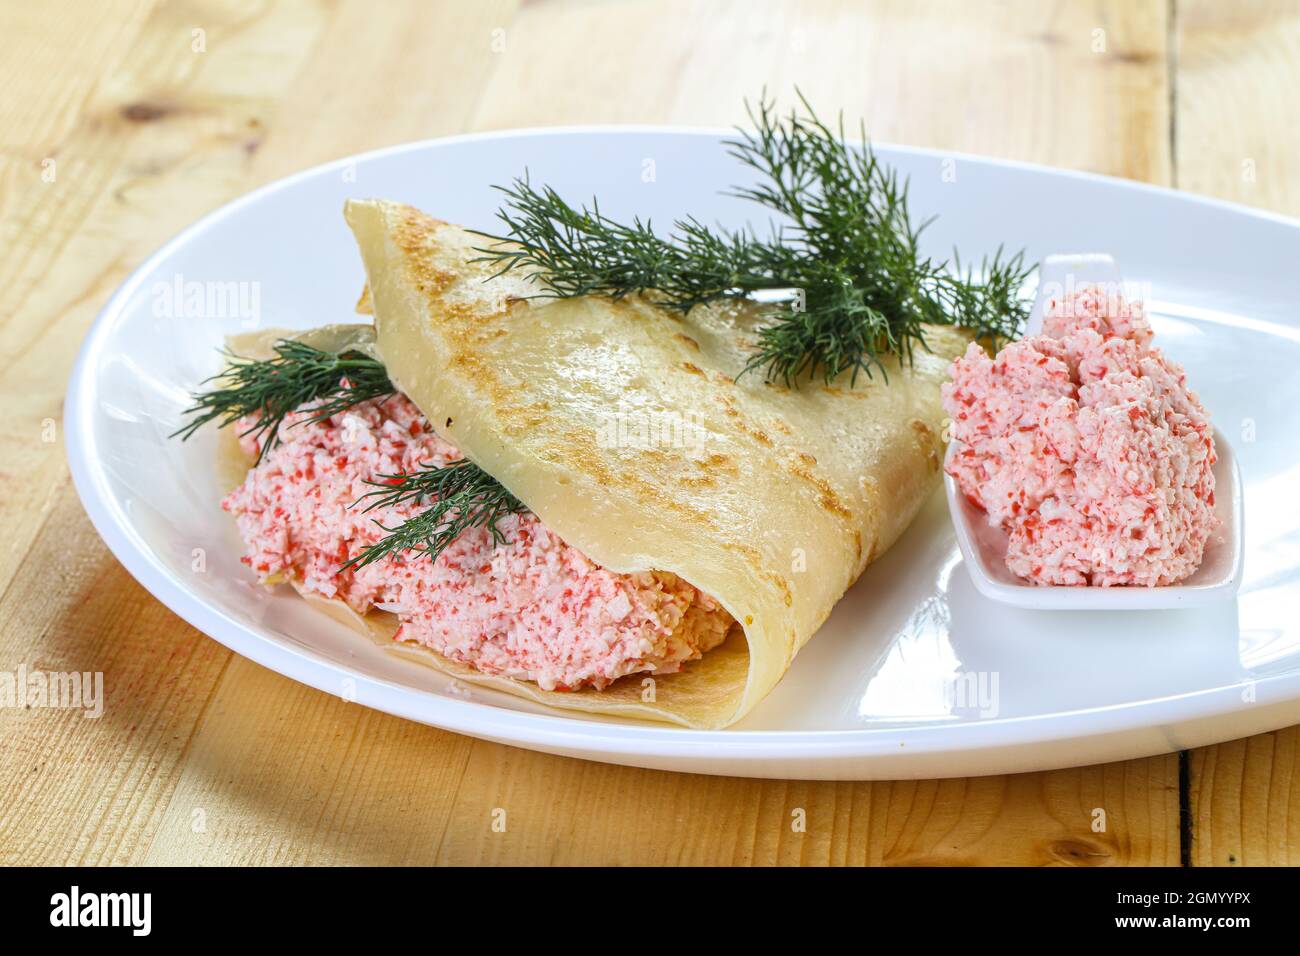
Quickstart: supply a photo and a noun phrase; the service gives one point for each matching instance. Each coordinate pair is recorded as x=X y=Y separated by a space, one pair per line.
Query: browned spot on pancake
x=578 y=453
x=687 y=340
x=709 y=469
x=533 y=415
x=472 y=363
x=857 y=544
x=800 y=464
x=693 y=368
x=860 y=392
x=364 y=304
x=412 y=235
x=753 y=557
x=728 y=408
x=874 y=520
x=929 y=442
x=826 y=495
x=661 y=458
x=743 y=422
x=831 y=502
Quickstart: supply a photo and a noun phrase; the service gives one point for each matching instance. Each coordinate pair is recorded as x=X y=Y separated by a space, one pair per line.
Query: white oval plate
x=916 y=674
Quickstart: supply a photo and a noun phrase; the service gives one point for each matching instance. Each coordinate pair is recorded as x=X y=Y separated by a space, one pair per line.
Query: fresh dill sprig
x=844 y=255
x=463 y=496
x=272 y=388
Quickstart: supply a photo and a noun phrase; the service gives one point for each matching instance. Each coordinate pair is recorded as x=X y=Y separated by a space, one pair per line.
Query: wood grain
x=362 y=787
x=1238 y=66
x=1058 y=83
x=205 y=757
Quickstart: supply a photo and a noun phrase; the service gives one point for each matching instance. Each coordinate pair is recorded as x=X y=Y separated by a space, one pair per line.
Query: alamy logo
x=643 y=430
x=54 y=689
x=1110 y=296
x=191 y=299
x=975 y=692
x=75 y=908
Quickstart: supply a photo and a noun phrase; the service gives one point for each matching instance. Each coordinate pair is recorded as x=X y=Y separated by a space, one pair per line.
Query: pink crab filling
x=533 y=608
x=1087 y=447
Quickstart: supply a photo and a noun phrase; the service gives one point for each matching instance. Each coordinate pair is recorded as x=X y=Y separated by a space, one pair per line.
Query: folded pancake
x=623 y=427
x=520 y=602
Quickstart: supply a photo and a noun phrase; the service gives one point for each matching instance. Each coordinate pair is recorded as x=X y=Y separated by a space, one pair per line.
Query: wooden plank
x=1051 y=83
x=563 y=811
x=284 y=777
x=1245 y=801
x=279 y=774
x=1238 y=66
x=136 y=160
x=166 y=134
x=156 y=134
x=78 y=789
x=46 y=190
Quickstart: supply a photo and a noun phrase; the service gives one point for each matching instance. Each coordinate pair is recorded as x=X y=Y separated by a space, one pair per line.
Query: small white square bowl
x=984 y=550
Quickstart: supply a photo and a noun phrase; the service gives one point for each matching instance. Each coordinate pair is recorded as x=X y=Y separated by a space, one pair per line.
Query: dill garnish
x=842 y=264
x=462 y=496
x=845 y=256
x=272 y=388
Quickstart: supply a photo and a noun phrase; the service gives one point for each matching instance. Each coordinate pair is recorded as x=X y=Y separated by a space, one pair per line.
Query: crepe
x=771 y=500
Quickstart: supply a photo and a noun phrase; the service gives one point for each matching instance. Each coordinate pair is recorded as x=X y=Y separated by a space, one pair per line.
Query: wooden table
x=123 y=121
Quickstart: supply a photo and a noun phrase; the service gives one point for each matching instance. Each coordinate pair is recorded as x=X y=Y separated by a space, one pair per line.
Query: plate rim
x=604 y=739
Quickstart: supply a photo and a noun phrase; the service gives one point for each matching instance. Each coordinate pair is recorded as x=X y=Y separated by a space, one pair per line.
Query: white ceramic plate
x=916 y=674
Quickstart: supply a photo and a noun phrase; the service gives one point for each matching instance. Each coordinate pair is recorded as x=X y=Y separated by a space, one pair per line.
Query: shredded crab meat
x=1085 y=445
x=532 y=609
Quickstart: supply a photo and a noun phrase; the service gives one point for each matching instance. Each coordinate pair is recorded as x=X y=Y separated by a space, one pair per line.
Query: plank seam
x=1184 y=808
